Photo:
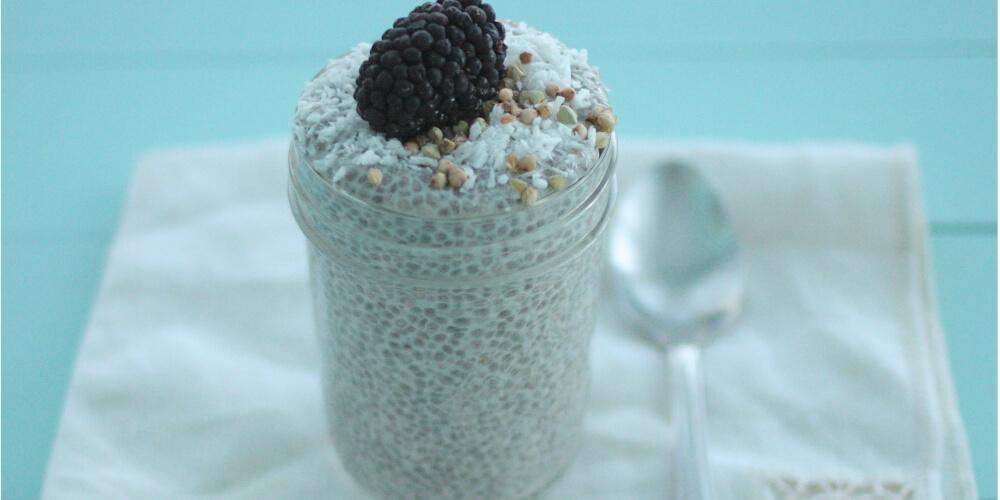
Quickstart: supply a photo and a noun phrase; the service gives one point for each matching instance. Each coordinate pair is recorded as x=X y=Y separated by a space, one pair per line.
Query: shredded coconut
x=341 y=146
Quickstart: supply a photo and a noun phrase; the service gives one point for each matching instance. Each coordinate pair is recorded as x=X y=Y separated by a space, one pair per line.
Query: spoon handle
x=692 y=480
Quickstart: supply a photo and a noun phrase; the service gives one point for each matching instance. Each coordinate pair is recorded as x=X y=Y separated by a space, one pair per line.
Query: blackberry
x=434 y=67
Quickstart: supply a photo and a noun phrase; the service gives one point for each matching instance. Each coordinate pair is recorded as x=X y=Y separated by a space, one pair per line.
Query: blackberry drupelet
x=434 y=67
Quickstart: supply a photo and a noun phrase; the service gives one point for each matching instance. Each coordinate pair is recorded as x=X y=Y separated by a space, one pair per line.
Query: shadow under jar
x=455 y=349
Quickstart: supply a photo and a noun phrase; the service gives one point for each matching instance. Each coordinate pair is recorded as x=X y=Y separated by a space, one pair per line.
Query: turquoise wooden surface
x=89 y=86
x=966 y=270
x=106 y=27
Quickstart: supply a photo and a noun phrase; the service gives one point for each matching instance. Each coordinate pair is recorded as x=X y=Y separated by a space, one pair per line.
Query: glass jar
x=455 y=349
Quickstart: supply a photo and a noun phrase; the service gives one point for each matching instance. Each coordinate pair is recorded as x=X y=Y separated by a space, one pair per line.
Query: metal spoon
x=677 y=275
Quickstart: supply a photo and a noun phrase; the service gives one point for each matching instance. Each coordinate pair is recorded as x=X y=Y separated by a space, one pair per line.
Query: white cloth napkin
x=198 y=374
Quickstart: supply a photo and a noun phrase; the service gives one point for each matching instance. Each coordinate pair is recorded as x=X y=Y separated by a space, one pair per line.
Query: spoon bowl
x=677 y=276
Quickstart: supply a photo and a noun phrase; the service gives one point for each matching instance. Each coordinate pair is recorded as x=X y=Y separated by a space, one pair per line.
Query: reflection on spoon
x=677 y=276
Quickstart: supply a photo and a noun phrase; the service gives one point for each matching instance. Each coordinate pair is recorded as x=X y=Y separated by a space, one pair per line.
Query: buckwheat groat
x=453 y=180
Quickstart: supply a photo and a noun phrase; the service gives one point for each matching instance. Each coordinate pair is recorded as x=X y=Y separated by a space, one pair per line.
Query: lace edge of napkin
x=795 y=486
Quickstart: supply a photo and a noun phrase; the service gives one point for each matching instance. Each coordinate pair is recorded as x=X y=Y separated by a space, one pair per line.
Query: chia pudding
x=455 y=250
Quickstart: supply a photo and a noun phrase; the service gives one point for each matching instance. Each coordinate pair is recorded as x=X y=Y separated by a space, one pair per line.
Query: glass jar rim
x=538 y=268
x=329 y=189
x=598 y=189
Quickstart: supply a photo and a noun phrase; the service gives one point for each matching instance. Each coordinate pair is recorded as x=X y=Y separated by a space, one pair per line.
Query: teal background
x=87 y=87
